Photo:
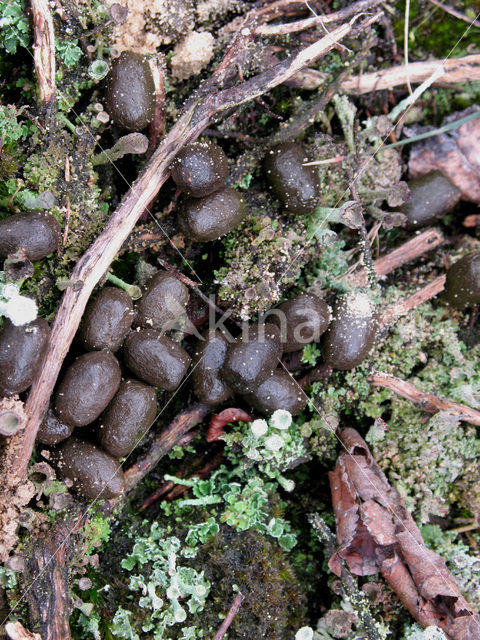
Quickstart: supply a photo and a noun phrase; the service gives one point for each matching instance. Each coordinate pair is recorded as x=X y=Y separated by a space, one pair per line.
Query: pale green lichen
x=427 y=458
x=424 y=460
x=170 y=590
x=415 y=632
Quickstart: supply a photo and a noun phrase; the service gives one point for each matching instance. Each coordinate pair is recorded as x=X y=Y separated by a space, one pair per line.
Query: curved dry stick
x=44 y=50
x=96 y=260
x=427 y=401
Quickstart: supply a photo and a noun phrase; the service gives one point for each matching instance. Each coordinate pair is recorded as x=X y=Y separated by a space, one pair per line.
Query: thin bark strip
x=402 y=307
x=44 y=50
x=457 y=71
x=197 y=115
x=410 y=250
x=164 y=443
x=376 y=533
x=427 y=401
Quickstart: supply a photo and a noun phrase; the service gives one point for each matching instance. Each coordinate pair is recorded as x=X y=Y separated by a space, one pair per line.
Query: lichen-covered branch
x=44 y=50
x=46 y=578
x=427 y=401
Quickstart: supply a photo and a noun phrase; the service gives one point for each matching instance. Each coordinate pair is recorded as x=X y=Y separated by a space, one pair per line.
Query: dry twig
x=427 y=401
x=44 y=50
x=164 y=442
x=410 y=250
x=403 y=306
x=455 y=13
x=317 y=21
x=223 y=628
x=457 y=71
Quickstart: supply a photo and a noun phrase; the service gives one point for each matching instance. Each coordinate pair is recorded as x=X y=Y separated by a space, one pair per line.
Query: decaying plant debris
x=213 y=537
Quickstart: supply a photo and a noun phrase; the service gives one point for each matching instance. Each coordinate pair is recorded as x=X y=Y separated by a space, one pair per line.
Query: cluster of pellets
x=106 y=399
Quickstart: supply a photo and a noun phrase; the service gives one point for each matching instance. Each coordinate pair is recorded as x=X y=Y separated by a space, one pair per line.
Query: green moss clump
x=274 y=606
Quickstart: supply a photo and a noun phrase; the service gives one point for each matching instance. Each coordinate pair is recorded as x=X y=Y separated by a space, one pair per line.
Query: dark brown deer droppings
x=200 y=169
x=37 y=232
x=278 y=391
x=351 y=333
x=163 y=301
x=52 y=430
x=297 y=186
x=21 y=352
x=127 y=417
x=462 y=286
x=87 y=387
x=431 y=197
x=252 y=357
x=106 y=320
x=301 y=320
x=208 y=383
x=156 y=359
x=94 y=473
x=131 y=92
x=209 y=218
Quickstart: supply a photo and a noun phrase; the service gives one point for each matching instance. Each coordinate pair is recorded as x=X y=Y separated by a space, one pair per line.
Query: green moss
x=434 y=31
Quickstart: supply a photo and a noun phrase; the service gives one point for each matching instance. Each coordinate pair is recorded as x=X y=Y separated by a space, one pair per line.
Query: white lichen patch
x=152 y=23
x=192 y=54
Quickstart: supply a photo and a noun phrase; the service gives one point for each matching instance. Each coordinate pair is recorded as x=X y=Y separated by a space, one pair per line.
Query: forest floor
x=356 y=518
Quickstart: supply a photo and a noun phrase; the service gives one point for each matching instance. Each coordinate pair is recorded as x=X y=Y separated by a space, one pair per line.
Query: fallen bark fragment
x=427 y=401
x=376 y=533
x=218 y=422
x=455 y=153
